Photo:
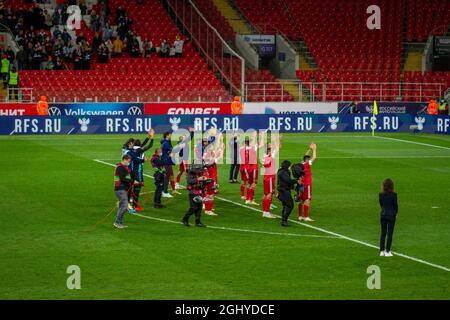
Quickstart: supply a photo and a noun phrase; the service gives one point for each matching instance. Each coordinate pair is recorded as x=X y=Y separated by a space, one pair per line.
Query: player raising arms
x=249 y=170
x=269 y=172
x=306 y=196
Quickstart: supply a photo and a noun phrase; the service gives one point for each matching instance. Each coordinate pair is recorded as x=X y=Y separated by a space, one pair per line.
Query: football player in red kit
x=306 y=196
x=210 y=164
x=249 y=170
x=269 y=173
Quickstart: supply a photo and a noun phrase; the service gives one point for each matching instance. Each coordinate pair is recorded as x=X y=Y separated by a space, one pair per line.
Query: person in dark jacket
x=159 y=176
x=389 y=209
x=195 y=179
x=122 y=183
x=284 y=186
x=166 y=157
x=234 y=167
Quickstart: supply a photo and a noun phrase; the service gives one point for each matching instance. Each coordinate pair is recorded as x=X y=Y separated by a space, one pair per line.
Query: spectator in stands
x=48 y=23
x=178 y=45
x=118 y=46
x=164 y=48
x=147 y=48
x=96 y=41
x=94 y=21
x=107 y=31
x=81 y=39
x=87 y=56
x=21 y=57
x=48 y=65
x=77 y=57
x=60 y=64
x=66 y=37
x=133 y=48
x=10 y=54
x=83 y=7
x=68 y=52
x=172 y=52
x=103 y=53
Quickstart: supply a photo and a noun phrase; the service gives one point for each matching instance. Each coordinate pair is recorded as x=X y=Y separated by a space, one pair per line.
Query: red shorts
x=269 y=184
x=250 y=176
x=307 y=193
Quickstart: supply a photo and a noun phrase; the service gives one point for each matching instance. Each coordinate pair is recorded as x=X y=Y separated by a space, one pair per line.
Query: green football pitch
x=58 y=204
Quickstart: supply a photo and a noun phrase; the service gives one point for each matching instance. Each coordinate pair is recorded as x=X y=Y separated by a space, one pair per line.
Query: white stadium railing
x=342 y=91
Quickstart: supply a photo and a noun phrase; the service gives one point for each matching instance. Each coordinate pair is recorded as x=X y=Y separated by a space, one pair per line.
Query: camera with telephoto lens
x=298 y=171
x=198 y=171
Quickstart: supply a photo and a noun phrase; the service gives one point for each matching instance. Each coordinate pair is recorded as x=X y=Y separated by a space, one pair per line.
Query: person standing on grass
x=306 y=196
x=389 y=210
x=234 y=167
x=284 y=186
x=158 y=176
x=122 y=183
x=166 y=157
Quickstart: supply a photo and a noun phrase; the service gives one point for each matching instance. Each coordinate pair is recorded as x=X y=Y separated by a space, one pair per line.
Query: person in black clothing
x=284 y=186
x=196 y=184
x=159 y=177
x=122 y=183
x=234 y=168
x=389 y=209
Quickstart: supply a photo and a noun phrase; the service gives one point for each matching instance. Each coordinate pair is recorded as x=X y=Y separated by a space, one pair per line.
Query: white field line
x=413 y=142
x=323 y=230
x=241 y=230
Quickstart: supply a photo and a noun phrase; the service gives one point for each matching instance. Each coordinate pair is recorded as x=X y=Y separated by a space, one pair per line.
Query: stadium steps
x=413 y=57
x=233 y=16
x=293 y=88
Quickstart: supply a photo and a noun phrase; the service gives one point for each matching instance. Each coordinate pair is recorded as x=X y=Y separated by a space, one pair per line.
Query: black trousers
x=387 y=229
x=195 y=208
x=288 y=203
x=158 y=192
x=167 y=178
x=234 y=171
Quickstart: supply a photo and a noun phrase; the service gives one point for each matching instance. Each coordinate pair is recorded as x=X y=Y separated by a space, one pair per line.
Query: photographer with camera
x=198 y=183
x=284 y=187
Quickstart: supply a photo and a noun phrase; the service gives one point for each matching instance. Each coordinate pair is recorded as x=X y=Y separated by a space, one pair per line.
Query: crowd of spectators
x=45 y=43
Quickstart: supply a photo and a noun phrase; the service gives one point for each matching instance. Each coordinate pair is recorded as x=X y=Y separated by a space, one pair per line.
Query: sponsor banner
x=18 y=109
x=293 y=123
x=187 y=108
x=387 y=107
x=267 y=50
x=95 y=109
x=259 y=38
x=290 y=107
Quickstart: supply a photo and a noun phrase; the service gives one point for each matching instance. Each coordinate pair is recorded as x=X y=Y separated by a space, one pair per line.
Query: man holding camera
x=197 y=184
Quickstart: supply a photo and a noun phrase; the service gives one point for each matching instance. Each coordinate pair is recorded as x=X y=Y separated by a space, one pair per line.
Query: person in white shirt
x=178 y=45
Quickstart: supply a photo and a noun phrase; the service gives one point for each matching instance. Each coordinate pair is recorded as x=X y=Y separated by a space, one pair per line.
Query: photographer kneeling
x=284 y=187
x=197 y=186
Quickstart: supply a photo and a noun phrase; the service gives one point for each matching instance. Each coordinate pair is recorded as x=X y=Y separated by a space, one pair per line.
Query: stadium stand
x=354 y=63
x=124 y=78
x=348 y=53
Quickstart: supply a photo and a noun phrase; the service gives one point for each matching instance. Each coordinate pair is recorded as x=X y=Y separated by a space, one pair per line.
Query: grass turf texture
x=55 y=199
